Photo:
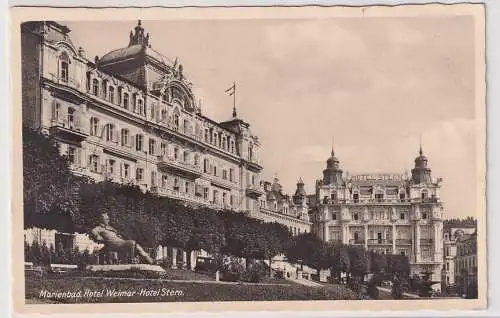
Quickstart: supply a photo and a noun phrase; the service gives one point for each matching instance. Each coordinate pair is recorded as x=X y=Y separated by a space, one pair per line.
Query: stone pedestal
x=184 y=259
x=125 y=267
x=174 y=258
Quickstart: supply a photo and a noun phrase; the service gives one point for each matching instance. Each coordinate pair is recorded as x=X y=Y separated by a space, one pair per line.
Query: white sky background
x=374 y=84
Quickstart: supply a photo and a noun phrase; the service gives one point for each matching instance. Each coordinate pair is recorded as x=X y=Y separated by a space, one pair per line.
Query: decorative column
x=417 y=242
x=184 y=259
x=174 y=258
x=193 y=259
x=344 y=234
x=394 y=237
x=366 y=236
x=165 y=252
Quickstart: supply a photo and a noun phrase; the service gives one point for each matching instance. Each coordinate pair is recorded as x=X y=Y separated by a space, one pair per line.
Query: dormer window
x=125 y=101
x=424 y=194
x=379 y=196
x=402 y=196
x=95 y=87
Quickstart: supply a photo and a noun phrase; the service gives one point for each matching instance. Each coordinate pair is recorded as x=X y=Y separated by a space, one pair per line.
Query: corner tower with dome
x=131 y=116
x=389 y=213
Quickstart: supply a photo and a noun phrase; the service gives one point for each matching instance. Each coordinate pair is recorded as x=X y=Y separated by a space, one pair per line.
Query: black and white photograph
x=231 y=155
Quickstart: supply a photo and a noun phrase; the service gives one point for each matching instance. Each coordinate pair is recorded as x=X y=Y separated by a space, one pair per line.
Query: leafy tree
x=358 y=260
x=398 y=264
x=340 y=259
x=48 y=184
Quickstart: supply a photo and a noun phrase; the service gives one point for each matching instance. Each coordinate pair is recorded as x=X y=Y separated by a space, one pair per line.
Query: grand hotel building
x=131 y=117
x=385 y=213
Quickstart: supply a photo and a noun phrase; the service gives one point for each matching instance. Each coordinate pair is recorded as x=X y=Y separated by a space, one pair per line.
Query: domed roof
x=134 y=51
x=138 y=45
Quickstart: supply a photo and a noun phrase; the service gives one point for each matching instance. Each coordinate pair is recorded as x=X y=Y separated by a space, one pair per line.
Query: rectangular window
x=124 y=137
x=111 y=167
x=205 y=193
x=231 y=175
x=187 y=187
x=224 y=174
x=94 y=163
x=138 y=142
x=402 y=216
x=153 y=178
x=126 y=170
x=215 y=196
x=139 y=174
x=152 y=146
x=164 y=180
x=72 y=154
x=176 y=153
x=356 y=217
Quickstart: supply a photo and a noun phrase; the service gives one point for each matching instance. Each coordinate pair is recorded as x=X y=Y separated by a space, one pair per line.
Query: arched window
x=64 y=67
x=125 y=101
x=111 y=94
x=250 y=152
x=119 y=95
x=94 y=126
x=109 y=131
x=71 y=117
x=176 y=121
x=95 y=87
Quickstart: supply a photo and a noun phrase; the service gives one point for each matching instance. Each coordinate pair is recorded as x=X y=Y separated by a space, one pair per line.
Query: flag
x=231 y=90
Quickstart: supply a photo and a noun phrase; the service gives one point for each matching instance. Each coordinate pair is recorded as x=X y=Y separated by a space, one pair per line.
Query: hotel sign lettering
x=378 y=177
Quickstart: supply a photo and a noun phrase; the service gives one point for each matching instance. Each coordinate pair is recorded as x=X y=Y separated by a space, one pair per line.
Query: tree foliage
x=48 y=185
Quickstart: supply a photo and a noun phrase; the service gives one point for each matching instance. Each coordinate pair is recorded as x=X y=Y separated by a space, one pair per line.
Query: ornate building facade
x=131 y=117
x=277 y=206
x=385 y=213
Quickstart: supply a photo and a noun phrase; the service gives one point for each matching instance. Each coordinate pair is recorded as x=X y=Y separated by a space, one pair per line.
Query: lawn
x=100 y=290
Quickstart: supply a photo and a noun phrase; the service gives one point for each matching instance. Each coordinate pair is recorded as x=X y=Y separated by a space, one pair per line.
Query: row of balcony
x=189 y=131
x=195 y=198
x=388 y=241
x=380 y=201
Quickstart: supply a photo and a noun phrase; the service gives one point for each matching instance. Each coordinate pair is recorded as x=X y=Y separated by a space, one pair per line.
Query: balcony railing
x=254 y=190
x=379 y=241
x=425 y=241
x=176 y=194
x=403 y=241
x=69 y=128
x=69 y=81
x=164 y=161
x=356 y=242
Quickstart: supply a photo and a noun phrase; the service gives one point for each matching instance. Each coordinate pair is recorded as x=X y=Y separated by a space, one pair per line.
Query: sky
x=372 y=87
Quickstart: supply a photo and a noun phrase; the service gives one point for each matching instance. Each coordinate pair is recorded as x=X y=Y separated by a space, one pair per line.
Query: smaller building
x=452 y=233
x=277 y=206
x=466 y=262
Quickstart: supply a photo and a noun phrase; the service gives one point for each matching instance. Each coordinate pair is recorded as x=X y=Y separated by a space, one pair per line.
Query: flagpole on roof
x=234 y=99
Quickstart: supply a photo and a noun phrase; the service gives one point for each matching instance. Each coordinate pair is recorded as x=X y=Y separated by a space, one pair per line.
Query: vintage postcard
x=249 y=158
